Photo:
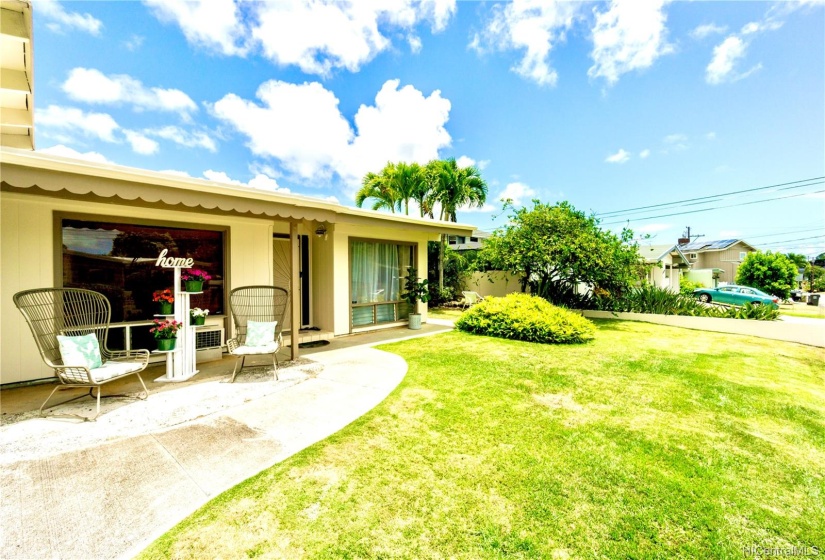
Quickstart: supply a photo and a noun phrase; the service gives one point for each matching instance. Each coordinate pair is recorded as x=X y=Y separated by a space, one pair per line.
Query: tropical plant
x=165 y=329
x=526 y=317
x=457 y=268
x=452 y=188
x=772 y=273
x=394 y=187
x=415 y=290
x=686 y=287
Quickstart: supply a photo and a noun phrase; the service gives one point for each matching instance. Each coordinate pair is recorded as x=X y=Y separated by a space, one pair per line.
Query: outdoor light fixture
x=321 y=231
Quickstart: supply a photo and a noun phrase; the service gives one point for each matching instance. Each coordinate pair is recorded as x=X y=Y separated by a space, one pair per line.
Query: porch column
x=295 y=283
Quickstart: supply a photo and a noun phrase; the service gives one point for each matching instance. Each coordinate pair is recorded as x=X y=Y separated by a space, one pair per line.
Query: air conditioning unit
x=209 y=341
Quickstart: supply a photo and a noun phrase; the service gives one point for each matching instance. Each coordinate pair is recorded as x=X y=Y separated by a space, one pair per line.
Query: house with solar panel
x=714 y=262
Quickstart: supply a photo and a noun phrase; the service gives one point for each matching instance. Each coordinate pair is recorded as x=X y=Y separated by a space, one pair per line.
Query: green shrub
x=686 y=287
x=751 y=311
x=528 y=318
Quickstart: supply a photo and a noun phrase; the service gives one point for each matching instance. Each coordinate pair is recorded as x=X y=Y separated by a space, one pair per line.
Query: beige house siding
x=727 y=260
x=27 y=257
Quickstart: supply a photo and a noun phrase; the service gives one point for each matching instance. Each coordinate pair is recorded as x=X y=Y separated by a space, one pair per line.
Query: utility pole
x=687 y=237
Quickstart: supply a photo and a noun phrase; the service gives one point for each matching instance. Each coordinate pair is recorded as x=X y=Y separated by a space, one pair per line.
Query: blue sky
x=610 y=105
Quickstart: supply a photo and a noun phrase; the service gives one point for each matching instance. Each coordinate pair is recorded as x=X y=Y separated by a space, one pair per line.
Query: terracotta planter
x=193 y=285
x=166 y=344
x=165 y=308
x=199 y=320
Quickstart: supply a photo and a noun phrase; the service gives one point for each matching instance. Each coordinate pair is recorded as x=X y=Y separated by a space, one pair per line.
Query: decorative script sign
x=173 y=262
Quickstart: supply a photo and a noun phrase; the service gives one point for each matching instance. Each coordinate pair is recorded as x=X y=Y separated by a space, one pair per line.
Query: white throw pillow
x=260 y=333
x=80 y=350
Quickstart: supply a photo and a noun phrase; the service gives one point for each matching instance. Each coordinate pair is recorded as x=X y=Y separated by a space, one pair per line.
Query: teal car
x=736 y=295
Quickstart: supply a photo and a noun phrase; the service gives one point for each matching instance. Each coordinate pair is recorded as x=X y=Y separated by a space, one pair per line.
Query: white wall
x=27 y=256
x=494 y=283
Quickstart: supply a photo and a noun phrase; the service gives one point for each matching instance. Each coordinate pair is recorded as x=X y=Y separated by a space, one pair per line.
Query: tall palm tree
x=455 y=187
x=393 y=187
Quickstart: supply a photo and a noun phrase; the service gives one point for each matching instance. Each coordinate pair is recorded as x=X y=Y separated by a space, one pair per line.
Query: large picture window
x=118 y=260
x=378 y=270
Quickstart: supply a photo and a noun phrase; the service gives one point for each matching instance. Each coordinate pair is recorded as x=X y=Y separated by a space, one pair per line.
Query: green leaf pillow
x=260 y=333
x=80 y=350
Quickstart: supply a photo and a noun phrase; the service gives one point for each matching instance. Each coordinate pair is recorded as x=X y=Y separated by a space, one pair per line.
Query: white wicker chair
x=73 y=312
x=471 y=298
x=256 y=303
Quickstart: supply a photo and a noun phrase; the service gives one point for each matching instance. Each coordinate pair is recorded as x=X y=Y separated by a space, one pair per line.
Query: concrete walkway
x=107 y=489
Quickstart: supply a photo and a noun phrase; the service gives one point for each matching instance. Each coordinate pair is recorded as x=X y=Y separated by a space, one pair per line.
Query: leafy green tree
x=773 y=273
x=394 y=187
x=378 y=187
x=457 y=268
x=553 y=248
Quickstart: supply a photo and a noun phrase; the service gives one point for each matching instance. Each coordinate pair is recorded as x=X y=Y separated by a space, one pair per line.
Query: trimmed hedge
x=528 y=318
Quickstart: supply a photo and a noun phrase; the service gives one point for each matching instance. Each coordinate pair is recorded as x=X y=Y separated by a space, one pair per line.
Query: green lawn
x=650 y=442
x=802 y=310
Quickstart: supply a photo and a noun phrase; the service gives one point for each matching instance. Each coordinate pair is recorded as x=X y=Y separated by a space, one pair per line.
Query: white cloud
x=415 y=43
x=317 y=36
x=301 y=126
x=760 y=26
x=466 y=161
x=534 y=27
x=213 y=24
x=260 y=181
x=93 y=125
x=708 y=29
x=59 y=18
x=65 y=151
x=710 y=136
x=175 y=172
x=189 y=139
x=134 y=42
x=622 y=156
x=631 y=35
x=92 y=86
x=644 y=153
x=517 y=192
x=140 y=143
x=725 y=56
x=675 y=139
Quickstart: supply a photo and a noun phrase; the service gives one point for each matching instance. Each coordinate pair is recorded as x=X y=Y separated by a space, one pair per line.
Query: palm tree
x=380 y=188
x=454 y=187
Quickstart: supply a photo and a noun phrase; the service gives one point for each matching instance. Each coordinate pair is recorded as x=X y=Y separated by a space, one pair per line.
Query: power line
x=715 y=208
x=707 y=198
x=790 y=240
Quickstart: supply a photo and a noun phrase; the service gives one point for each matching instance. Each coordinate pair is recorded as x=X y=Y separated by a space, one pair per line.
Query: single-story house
x=467 y=243
x=667 y=263
x=72 y=223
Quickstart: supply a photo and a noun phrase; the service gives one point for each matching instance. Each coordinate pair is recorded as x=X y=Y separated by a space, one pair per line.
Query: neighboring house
x=467 y=242
x=667 y=265
x=73 y=223
x=721 y=257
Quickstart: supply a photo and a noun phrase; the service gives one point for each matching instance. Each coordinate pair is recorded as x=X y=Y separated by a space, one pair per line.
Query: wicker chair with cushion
x=471 y=298
x=258 y=314
x=70 y=327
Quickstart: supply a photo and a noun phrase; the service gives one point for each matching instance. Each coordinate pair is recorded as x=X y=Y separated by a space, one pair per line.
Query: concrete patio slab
x=107 y=489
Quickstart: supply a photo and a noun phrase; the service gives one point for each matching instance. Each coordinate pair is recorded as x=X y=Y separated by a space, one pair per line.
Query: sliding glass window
x=377 y=270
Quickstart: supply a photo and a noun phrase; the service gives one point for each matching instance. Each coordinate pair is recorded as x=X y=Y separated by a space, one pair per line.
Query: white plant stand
x=180 y=362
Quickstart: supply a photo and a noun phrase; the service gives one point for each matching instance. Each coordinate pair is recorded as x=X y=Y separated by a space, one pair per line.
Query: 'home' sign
x=173 y=262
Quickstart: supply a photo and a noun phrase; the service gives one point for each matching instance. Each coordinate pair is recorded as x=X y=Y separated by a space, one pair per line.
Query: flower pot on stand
x=165 y=308
x=166 y=344
x=193 y=285
x=198 y=320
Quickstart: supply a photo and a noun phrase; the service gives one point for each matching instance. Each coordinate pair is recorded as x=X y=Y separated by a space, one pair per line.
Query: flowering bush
x=198 y=312
x=195 y=274
x=165 y=329
x=164 y=295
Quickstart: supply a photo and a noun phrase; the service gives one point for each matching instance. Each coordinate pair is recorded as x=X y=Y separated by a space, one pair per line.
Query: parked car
x=736 y=295
x=797 y=295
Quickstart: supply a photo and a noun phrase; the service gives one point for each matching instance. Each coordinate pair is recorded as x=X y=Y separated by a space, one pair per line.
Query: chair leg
x=235 y=371
x=145 y=390
x=275 y=364
x=43 y=406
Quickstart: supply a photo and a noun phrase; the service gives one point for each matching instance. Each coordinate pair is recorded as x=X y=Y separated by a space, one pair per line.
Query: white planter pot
x=415 y=321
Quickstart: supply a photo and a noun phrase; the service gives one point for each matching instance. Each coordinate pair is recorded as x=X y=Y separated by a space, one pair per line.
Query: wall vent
x=210 y=336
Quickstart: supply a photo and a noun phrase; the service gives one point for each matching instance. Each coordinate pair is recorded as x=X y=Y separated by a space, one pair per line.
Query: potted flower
x=193 y=279
x=166 y=334
x=416 y=290
x=198 y=315
x=164 y=299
